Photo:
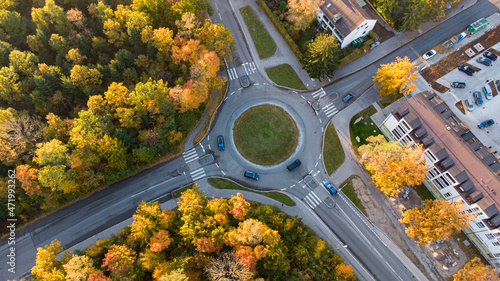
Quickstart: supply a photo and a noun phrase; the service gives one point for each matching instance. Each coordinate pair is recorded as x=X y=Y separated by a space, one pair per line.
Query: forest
x=202 y=239
x=92 y=91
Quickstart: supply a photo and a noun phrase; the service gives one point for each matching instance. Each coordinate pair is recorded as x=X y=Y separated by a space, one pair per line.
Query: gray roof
x=476 y=196
x=495 y=167
x=428 y=141
x=446 y=163
x=489 y=159
x=352 y=14
x=447 y=113
x=476 y=145
x=467 y=136
x=467 y=185
x=421 y=132
x=488 y=206
x=413 y=120
x=494 y=221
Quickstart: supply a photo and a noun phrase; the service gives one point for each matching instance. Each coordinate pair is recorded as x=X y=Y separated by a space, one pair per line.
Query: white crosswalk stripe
x=330 y=110
x=233 y=74
x=309 y=202
x=319 y=93
x=315 y=197
x=190 y=155
x=249 y=67
x=198 y=174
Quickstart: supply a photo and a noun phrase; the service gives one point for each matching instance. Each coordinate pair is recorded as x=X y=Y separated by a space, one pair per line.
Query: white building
x=348 y=20
x=461 y=168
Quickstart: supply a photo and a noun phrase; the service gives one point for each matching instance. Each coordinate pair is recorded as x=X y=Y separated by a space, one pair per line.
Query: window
x=406 y=140
x=433 y=172
x=447 y=194
x=450 y=178
x=396 y=134
x=406 y=125
x=496 y=234
x=364 y=32
x=430 y=156
x=496 y=243
x=490 y=236
x=480 y=224
x=497 y=255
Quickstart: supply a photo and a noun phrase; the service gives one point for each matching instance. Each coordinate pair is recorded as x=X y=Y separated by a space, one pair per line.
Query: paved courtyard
x=490 y=109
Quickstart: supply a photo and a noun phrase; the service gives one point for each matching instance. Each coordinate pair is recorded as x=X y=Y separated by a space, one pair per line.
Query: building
x=348 y=20
x=461 y=168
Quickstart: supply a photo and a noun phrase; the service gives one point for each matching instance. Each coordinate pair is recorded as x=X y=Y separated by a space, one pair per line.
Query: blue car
x=251 y=175
x=486 y=123
x=220 y=142
x=348 y=97
x=478 y=97
x=330 y=187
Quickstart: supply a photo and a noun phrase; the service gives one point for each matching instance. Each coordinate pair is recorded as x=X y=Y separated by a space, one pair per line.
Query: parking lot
x=490 y=109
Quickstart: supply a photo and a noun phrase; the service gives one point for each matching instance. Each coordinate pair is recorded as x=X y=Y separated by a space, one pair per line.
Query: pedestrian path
x=198 y=174
x=312 y=200
x=329 y=110
x=190 y=155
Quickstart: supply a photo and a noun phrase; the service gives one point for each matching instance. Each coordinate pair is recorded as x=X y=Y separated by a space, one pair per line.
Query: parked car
x=348 y=97
x=486 y=124
x=458 y=85
x=487 y=92
x=467 y=70
x=484 y=61
x=374 y=44
x=294 y=165
x=251 y=175
x=490 y=55
x=497 y=82
x=429 y=54
x=478 y=98
x=469 y=105
x=220 y=142
x=330 y=187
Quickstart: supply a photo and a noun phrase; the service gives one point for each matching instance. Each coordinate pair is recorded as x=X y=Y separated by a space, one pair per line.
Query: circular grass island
x=265 y=134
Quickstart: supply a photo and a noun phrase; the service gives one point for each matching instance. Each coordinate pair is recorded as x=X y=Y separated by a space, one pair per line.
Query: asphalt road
x=118 y=202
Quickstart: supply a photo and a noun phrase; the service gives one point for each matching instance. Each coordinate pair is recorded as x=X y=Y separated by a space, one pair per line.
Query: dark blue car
x=486 y=123
x=251 y=175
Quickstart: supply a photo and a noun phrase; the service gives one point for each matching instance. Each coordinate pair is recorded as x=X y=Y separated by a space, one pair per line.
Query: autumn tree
x=149 y=219
x=47 y=265
x=53 y=152
x=119 y=260
x=322 y=56
x=228 y=266
x=393 y=166
x=9 y=85
x=216 y=38
x=160 y=241
x=437 y=220
x=187 y=25
x=58 y=178
x=476 y=270
x=175 y=275
x=252 y=232
x=98 y=275
x=239 y=206
x=82 y=76
x=28 y=177
x=396 y=77
x=301 y=13
x=113 y=151
x=50 y=17
x=79 y=268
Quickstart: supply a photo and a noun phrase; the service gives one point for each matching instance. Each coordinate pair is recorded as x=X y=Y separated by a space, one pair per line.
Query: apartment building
x=461 y=168
x=348 y=20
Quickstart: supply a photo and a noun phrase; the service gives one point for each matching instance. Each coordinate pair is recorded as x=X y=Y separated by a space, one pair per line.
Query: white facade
x=361 y=31
x=442 y=185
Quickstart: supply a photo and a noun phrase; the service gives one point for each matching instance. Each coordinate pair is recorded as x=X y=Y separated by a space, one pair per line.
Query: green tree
x=10 y=23
x=175 y=275
x=157 y=10
x=50 y=17
x=23 y=62
x=57 y=178
x=53 y=152
x=113 y=150
x=5 y=49
x=396 y=77
x=9 y=85
x=322 y=56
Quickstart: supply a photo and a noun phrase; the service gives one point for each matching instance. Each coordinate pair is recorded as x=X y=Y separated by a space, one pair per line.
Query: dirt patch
x=382 y=32
x=454 y=59
x=493 y=88
x=476 y=69
x=378 y=216
x=460 y=106
x=438 y=87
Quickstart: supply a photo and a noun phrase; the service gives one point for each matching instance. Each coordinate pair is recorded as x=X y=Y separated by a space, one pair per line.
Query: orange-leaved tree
x=437 y=220
x=396 y=77
x=393 y=166
x=476 y=270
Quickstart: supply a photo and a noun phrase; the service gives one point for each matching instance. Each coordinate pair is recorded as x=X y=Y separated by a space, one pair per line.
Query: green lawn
x=221 y=183
x=333 y=153
x=177 y=193
x=423 y=192
x=265 y=134
x=348 y=190
x=363 y=128
x=386 y=100
x=284 y=75
x=262 y=40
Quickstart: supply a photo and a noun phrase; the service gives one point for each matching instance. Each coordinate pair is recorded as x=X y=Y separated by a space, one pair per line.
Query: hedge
x=281 y=30
x=358 y=52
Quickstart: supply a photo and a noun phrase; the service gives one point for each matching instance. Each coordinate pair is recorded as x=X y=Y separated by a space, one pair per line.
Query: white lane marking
x=320 y=121
x=316 y=173
x=202 y=147
x=223 y=173
x=319 y=93
x=151 y=187
x=235 y=73
x=304 y=186
x=208 y=138
x=311 y=172
x=209 y=147
x=322 y=129
x=230 y=74
x=240 y=89
x=292 y=185
x=199 y=177
x=256 y=84
x=226 y=99
x=244 y=66
x=231 y=93
x=197 y=172
x=191 y=158
x=312 y=192
x=302 y=97
x=252 y=65
x=316 y=164
x=319 y=156
x=217 y=165
x=283 y=189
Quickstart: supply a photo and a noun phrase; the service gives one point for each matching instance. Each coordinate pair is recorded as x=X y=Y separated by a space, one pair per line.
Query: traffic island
x=265 y=134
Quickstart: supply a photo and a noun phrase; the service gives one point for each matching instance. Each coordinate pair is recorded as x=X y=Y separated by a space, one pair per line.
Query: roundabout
x=265 y=134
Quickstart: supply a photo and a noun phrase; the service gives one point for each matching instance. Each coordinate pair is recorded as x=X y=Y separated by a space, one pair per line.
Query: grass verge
x=333 y=153
x=284 y=75
x=424 y=192
x=364 y=128
x=221 y=183
x=177 y=193
x=212 y=106
x=262 y=40
x=348 y=190
x=386 y=100
x=265 y=134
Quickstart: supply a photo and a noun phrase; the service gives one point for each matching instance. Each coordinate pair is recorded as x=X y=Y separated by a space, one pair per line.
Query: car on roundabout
x=251 y=175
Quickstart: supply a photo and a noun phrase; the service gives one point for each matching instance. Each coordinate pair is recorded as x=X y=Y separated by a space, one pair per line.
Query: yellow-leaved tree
x=393 y=166
x=437 y=220
x=301 y=13
x=476 y=270
x=396 y=77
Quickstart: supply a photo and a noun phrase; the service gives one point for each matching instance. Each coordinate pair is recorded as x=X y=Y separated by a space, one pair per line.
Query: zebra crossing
x=249 y=68
x=198 y=174
x=190 y=155
x=329 y=110
x=312 y=200
x=319 y=94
